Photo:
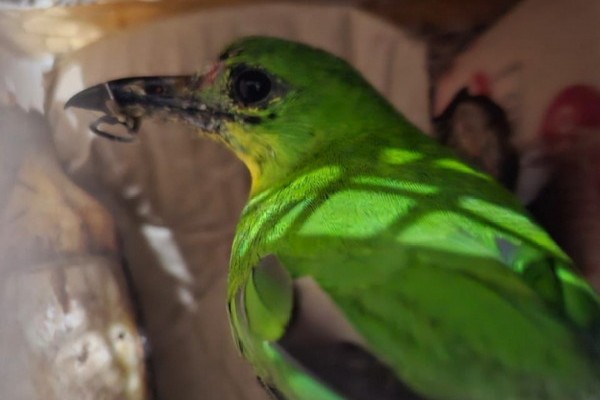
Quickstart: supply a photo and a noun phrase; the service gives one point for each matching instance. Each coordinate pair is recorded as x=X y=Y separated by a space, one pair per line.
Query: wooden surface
x=63 y=29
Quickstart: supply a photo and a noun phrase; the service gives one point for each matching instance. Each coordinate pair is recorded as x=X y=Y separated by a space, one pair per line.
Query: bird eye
x=251 y=86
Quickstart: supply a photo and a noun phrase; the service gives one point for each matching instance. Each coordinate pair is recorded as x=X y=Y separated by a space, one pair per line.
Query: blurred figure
x=479 y=131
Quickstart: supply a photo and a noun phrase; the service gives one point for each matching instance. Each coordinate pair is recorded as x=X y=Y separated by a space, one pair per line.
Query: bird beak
x=127 y=101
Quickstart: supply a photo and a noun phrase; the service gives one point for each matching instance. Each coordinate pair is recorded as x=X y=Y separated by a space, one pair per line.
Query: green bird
x=369 y=261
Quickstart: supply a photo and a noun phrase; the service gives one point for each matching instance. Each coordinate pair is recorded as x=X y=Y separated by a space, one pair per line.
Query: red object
x=574 y=110
x=480 y=84
x=569 y=206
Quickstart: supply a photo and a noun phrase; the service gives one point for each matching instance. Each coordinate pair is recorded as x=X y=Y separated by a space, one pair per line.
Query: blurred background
x=113 y=257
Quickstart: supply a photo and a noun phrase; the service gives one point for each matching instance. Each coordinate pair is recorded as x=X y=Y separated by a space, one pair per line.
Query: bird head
x=276 y=104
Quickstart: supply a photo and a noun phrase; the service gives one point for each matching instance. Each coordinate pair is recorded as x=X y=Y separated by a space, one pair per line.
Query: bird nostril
x=154 y=89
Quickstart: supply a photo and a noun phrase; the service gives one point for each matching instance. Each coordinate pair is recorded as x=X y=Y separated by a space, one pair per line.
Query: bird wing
x=435 y=325
x=301 y=344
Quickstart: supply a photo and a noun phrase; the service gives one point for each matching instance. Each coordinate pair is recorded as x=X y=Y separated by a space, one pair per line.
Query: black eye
x=251 y=86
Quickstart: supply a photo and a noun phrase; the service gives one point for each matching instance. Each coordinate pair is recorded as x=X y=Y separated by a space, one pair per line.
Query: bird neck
x=372 y=148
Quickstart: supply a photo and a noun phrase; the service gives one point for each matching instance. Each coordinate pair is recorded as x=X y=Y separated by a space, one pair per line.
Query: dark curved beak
x=92 y=98
x=127 y=101
x=153 y=91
